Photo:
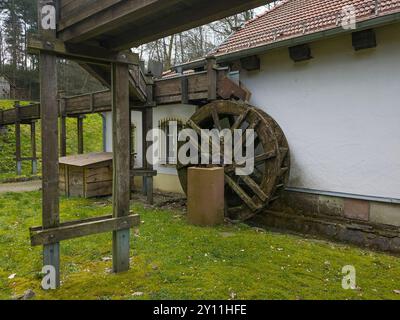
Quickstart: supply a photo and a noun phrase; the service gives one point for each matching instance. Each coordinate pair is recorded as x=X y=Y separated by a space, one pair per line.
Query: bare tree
x=198 y=42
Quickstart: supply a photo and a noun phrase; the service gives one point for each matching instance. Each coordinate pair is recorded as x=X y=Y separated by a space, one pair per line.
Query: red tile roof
x=296 y=18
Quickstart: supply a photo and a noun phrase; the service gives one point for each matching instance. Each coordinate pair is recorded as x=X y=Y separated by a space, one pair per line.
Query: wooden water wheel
x=247 y=195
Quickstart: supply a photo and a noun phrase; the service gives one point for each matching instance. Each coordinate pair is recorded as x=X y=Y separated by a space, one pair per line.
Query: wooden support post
x=63 y=136
x=147 y=125
x=212 y=78
x=33 y=147
x=144 y=150
x=104 y=126
x=148 y=181
x=121 y=155
x=49 y=116
x=185 y=89
x=63 y=127
x=18 y=155
x=79 y=121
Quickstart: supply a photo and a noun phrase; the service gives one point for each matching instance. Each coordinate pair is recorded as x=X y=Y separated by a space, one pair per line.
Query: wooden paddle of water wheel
x=247 y=195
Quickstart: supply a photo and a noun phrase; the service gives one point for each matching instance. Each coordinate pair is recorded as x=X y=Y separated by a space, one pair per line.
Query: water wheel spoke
x=255 y=188
x=194 y=126
x=197 y=129
x=242 y=142
x=241 y=193
x=264 y=157
x=216 y=120
x=239 y=120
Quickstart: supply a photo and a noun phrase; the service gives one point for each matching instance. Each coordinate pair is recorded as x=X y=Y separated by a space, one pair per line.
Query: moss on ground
x=93 y=142
x=173 y=260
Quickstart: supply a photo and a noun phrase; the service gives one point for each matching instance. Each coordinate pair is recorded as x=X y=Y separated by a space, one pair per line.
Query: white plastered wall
x=167 y=179
x=340 y=112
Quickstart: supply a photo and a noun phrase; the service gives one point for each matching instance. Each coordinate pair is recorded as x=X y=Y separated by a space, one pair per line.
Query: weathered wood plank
x=121 y=165
x=50 y=168
x=79 y=123
x=82 y=228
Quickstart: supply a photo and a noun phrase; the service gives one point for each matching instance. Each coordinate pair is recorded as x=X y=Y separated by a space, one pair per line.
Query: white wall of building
x=340 y=112
x=179 y=111
x=137 y=121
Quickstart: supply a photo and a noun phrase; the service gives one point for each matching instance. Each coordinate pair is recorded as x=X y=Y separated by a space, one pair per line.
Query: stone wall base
x=329 y=217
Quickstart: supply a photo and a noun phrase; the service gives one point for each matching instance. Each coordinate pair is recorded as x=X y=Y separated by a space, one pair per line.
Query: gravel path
x=21 y=186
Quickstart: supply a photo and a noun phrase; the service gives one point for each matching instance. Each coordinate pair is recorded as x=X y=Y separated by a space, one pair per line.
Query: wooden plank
x=98 y=189
x=63 y=136
x=79 y=123
x=82 y=228
x=143 y=173
x=185 y=90
x=149 y=115
x=18 y=139
x=151 y=20
x=241 y=193
x=99 y=174
x=33 y=148
x=121 y=165
x=212 y=78
x=88 y=159
x=50 y=169
x=79 y=52
x=255 y=188
x=75 y=182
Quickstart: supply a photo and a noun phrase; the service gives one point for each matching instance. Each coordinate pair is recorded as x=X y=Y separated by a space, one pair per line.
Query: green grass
x=92 y=142
x=173 y=260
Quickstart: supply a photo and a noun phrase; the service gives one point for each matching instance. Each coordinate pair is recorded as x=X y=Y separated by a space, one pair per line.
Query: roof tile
x=295 y=18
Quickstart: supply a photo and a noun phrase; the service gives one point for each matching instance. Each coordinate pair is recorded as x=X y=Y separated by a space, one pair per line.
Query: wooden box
x=87 y=175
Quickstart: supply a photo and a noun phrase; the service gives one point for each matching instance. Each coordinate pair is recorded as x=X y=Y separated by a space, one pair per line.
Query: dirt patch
x=27 y=186
x=167 y=201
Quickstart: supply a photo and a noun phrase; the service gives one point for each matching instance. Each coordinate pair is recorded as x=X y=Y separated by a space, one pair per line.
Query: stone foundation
x=372 y=225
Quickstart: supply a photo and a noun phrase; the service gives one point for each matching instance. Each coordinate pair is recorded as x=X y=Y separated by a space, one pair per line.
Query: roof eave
x=312 y=37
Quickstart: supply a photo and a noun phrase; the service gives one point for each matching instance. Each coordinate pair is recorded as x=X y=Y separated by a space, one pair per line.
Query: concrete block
x=356 y=209
x=385 y=213
x=332 y=206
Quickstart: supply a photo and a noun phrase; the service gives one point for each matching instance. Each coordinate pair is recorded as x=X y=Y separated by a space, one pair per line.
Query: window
x=169 y=141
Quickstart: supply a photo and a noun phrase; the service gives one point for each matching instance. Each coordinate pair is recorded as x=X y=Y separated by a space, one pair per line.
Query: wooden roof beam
x=130 y=23
x=192 y=15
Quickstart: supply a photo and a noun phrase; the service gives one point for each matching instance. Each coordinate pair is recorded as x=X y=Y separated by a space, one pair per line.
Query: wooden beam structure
x=96 y=33
x=79 y=124
x=121 y=163
x=49 y=117
x=77 y=229
x=110 y=23
x=192 y=88
x=18 y=155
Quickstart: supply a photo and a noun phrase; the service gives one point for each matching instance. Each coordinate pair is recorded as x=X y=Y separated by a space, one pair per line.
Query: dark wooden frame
x=52 y=232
